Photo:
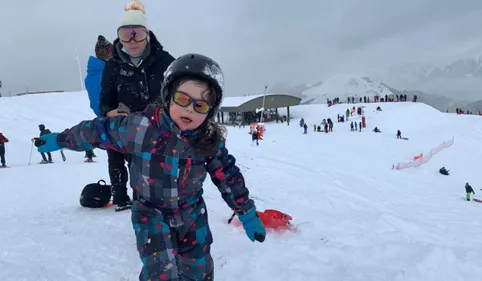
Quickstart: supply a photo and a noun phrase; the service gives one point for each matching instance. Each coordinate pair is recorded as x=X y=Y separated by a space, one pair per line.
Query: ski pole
x=30 y=158
x=63 y=156
x=231 y=218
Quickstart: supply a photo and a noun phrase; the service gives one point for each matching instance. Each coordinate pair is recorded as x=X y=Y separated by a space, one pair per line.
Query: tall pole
x=80 y=70
x=264 y=98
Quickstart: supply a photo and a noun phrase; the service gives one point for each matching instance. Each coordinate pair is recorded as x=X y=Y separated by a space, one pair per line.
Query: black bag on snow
x=95 y=195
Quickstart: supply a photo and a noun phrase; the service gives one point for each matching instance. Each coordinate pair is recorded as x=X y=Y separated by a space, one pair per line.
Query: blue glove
x=47 y=143
x=253 y=225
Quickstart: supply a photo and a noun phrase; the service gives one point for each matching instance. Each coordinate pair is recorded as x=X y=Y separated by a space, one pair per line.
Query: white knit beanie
x=135 y=14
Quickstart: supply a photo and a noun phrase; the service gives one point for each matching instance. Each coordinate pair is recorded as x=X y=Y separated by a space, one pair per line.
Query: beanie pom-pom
x=135 y=5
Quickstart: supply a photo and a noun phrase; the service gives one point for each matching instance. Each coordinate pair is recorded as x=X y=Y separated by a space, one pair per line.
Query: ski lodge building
x=244 y=109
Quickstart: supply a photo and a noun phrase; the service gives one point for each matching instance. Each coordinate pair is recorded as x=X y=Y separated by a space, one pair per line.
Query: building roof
x=251 y=103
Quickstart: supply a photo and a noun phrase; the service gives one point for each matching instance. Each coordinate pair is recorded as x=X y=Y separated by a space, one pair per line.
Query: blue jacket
x=93 y=80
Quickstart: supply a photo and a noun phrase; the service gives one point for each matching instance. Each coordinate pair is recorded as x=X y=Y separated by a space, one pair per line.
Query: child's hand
x=47 y=143
x=253 y=225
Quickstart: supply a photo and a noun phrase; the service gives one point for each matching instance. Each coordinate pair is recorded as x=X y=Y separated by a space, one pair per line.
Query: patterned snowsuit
x=169 y=215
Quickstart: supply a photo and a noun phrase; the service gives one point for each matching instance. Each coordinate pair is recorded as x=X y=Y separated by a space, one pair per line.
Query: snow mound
x=348 y=204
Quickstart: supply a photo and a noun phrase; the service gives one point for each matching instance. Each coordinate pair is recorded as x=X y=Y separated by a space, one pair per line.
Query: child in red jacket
x=3 y=140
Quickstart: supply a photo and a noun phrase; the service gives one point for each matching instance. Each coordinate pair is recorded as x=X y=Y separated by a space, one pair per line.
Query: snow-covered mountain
x=465 y=68
x=413 y=73
x=296 y=90
x=439 y=102
x=344 y=86
x=473 y=106
x=461 y=79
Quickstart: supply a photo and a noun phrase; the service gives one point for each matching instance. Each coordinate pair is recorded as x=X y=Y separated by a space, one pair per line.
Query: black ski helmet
x=198 y=66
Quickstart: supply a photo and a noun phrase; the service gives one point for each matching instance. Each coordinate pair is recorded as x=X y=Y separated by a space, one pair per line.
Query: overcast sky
x=256 y=42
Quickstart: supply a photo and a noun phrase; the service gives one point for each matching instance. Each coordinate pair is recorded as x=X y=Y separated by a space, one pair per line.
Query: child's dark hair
x=210 y=133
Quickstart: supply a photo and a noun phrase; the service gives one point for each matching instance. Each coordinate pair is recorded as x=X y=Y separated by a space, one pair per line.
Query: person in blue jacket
x=95 y=66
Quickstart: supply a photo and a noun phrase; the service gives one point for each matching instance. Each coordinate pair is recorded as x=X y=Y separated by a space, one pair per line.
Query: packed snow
x=357 y=219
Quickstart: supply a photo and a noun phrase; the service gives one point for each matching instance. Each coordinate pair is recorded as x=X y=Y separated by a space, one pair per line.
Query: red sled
x=477 y=200
x=273 y=220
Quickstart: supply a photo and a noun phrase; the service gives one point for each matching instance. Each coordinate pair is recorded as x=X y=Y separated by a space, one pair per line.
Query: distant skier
x=255 y=137
x=444 y=171
x=44 y=131
x=302 y=122
x=305 y=129
x=399 y=134
x=3 y=140
x=352 y=126
x=330 y=125
x=376 y=130
x=468 y=190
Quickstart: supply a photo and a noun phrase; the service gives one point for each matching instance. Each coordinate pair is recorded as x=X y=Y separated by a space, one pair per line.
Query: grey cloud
x=256 y=42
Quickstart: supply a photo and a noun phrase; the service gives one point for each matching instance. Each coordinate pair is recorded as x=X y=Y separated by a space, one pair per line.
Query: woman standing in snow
x=130 y=81
x=174 y=146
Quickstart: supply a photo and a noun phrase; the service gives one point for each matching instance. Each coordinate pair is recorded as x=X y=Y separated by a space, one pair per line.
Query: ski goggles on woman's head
x=128 y=33
x=182 y=99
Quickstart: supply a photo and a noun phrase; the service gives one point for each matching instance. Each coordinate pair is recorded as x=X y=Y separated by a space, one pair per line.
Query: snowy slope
x=359 y=220
x=344 y=86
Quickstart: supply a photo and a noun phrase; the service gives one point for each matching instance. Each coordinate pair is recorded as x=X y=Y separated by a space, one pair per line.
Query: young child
x=255 y=137
x=174 y=146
